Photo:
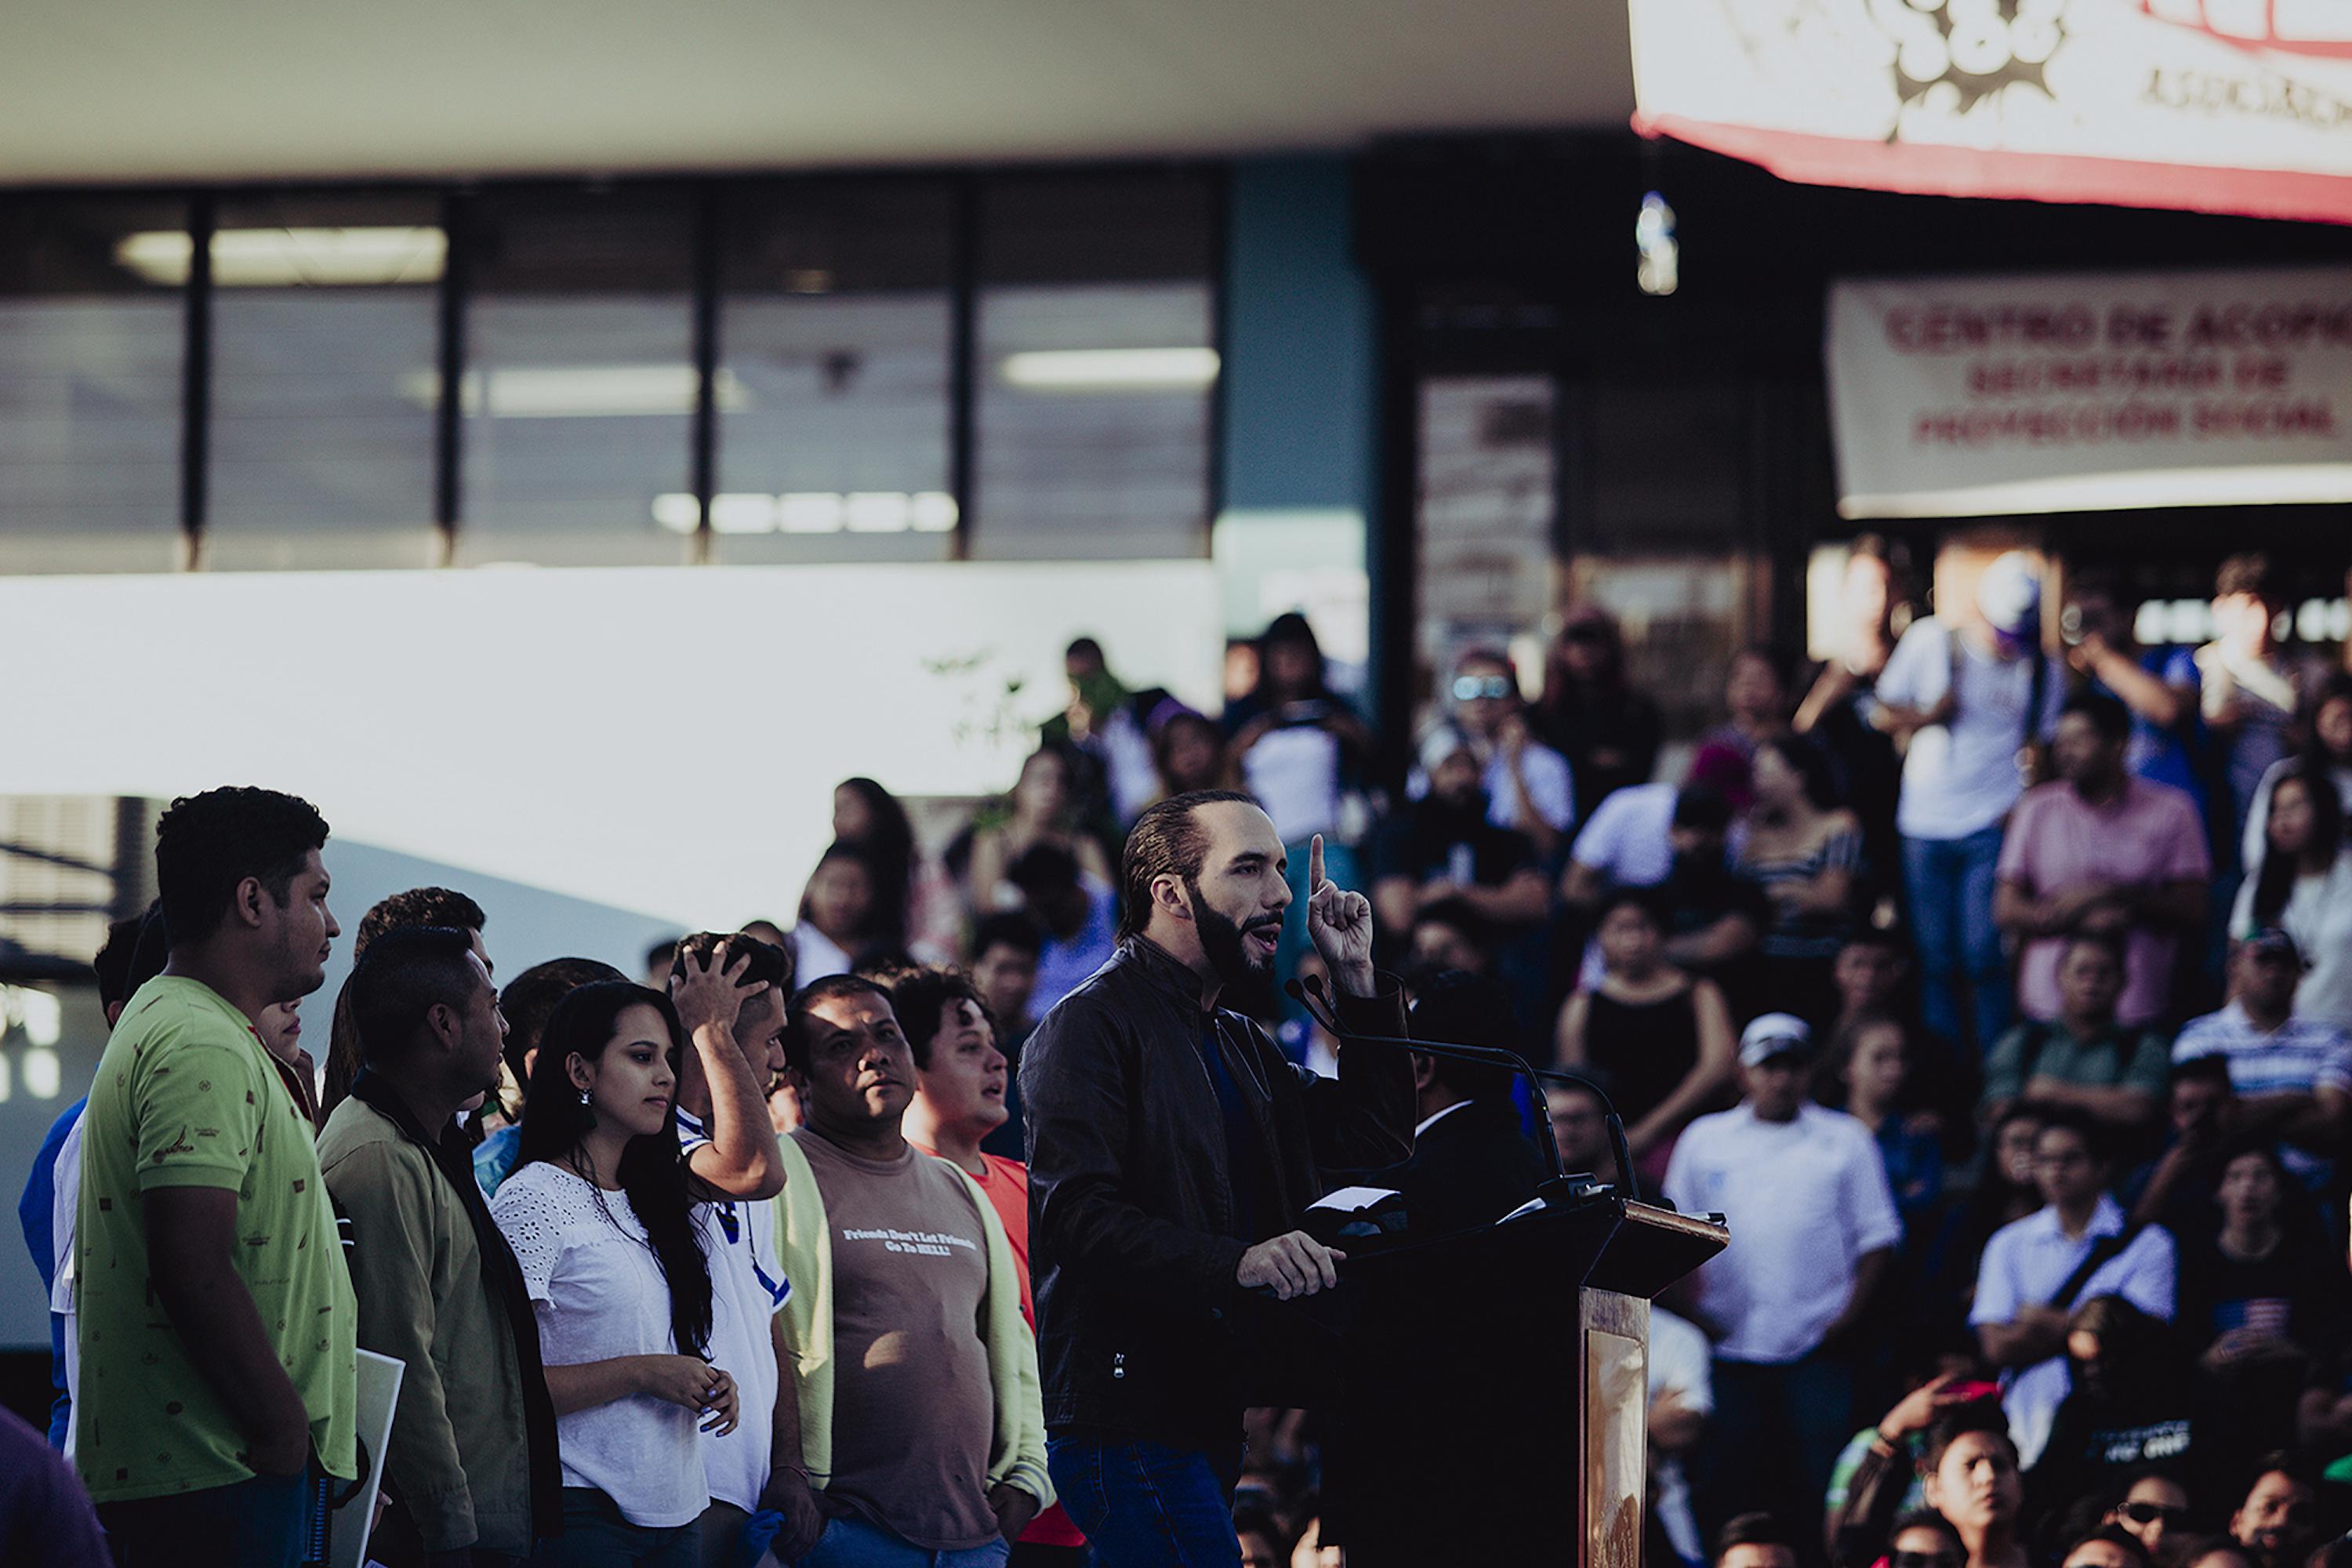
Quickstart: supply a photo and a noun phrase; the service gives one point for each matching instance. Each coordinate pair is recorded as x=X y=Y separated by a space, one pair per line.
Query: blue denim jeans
x=1147 y=1505
x=260 y=1522
x=1950 y=884
x=853 y=1543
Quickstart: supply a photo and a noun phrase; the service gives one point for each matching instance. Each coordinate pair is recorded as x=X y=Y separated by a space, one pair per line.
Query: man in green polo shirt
x=2083 y=1058
x=216 y=1316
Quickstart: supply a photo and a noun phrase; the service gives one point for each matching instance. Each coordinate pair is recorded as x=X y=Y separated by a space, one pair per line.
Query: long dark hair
x=890 y=846
x=653 y=1169
x=872 y=933
x=2274 y=882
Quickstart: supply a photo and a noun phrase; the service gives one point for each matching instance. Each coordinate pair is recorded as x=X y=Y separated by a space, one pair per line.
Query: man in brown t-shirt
x=915 y=1397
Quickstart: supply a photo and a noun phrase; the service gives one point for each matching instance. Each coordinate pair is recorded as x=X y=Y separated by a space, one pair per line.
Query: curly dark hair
x=207 y=844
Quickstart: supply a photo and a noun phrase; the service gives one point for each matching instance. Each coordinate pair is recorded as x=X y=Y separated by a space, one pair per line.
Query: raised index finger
x=1315 y=865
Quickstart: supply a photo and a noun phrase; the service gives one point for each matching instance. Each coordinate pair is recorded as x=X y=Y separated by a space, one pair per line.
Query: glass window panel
x=1092 y=421
x=92 y=330
x=1484 y=521
x=835 y=337
x=1097 y=366
x=324 y=380
x=578 y=396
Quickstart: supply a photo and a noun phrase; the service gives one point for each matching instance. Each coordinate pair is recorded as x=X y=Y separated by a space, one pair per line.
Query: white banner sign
x=1969 y=396
x=2233 y=106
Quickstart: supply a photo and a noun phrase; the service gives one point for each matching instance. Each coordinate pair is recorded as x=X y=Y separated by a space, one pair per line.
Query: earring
x=583 y=1097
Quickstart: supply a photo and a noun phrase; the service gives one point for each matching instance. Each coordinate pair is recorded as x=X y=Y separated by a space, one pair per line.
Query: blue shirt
x=2168 y=756
x=36 y=1212
x=1064 y=964
x=494 y=1159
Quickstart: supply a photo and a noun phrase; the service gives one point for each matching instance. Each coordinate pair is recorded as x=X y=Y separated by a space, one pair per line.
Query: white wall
x=658 y=740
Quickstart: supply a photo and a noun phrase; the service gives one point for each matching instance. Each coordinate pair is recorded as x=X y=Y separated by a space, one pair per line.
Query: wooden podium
x=1494 y=1388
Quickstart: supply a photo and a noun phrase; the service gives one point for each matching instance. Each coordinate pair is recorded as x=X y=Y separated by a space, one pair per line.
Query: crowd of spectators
x=1994 y=986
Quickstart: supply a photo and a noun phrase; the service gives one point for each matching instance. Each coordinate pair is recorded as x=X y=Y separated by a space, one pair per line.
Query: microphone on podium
x=1318 y=1004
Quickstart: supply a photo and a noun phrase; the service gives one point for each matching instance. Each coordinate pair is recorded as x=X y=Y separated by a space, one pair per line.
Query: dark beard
x=1222 y=941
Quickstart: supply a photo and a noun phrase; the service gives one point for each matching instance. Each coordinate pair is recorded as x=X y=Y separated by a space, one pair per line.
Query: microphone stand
x=1320 y=1008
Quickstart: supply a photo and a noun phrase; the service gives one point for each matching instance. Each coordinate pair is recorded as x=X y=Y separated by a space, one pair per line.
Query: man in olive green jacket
x=472 y=1465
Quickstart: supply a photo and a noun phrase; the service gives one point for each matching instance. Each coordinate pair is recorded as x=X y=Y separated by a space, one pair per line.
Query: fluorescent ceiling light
x=878 y=511
x=1110 y=370
x=934 y=512
x=577 y=392
x=287 y=257
x=737 y=513
x=677 y=512
x=811 y=512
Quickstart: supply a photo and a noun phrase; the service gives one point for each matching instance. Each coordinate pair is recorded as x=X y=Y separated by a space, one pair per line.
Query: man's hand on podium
x=1290 y=1265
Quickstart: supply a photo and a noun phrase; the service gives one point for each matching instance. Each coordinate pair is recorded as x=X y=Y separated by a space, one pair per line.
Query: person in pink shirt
x=2102 y=852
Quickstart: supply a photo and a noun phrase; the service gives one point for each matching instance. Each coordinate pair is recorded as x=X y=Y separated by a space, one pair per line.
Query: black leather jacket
x=1131 y=1242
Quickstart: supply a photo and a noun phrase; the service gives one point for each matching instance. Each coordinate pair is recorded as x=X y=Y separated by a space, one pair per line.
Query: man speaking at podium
x=1173 y=1154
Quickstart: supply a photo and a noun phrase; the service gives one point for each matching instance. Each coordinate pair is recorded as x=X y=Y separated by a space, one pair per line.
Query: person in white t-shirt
x=1813 y=1225
x=747 y=1280
x=1969 y=699
x=606 y=1215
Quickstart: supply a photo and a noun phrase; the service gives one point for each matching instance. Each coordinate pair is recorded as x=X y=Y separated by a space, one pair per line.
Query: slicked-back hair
x=831 y=988
x=921 y=999
x=441 y=906
x=532 y=995
x=207 y=844
x=407 y=971
x=768 y=963
x=1166 y=840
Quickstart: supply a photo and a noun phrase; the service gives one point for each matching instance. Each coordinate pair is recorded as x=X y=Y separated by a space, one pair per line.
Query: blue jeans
x=1949 y=882
x=853 y=1543
x=1147 y=1505
x=260 y=1522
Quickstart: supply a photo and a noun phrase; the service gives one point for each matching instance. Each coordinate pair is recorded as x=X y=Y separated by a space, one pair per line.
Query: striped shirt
x=2298 y=1057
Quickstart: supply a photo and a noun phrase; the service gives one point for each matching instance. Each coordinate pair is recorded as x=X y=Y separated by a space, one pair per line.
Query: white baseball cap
x=1774 y=1035
x=2009 y=595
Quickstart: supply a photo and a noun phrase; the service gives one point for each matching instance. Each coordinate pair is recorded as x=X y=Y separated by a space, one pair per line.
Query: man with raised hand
x=1173 y=1154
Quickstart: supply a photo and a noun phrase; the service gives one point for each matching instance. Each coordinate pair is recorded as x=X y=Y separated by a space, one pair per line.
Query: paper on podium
x=379 y=1393
x=1351 y=1200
